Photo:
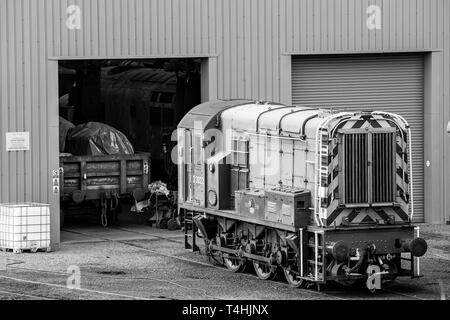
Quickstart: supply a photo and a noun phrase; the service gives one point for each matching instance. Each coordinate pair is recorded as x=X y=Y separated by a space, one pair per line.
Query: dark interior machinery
x=143 y=99
x=140 y=101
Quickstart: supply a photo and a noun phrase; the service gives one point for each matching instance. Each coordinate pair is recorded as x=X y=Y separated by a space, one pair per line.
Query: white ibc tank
x=24 y=226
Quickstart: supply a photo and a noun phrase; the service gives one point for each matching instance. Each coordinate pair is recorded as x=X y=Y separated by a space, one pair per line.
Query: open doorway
x=142 y=100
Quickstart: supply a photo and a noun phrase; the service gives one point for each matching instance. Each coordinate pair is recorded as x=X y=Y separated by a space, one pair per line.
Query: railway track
x=87 y=274
x=16 y=267
x=26 y=296
x=64 y=287
x=245 y=274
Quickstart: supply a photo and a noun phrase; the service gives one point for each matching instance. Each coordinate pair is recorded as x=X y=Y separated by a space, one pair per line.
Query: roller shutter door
x=384 y=82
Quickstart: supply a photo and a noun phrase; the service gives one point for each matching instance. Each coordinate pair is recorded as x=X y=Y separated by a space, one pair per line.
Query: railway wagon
x=100 y=181
x=319 y=194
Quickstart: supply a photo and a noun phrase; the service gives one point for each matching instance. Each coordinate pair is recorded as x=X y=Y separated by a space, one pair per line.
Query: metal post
x=301 y=252
x=186 y=236
x=418 y=259
x=316 y=254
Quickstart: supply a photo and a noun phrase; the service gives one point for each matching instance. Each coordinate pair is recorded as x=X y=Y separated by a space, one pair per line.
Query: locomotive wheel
x=264 y=271
x=217 y=256
x=234 y=264
x=293 y=279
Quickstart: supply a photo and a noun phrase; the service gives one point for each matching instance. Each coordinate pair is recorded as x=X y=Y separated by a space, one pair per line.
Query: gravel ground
x=146 y=263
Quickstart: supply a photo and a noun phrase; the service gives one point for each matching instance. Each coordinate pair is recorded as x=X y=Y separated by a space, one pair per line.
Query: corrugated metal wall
x=252 y=40
x=23 y=100
x=340 y=25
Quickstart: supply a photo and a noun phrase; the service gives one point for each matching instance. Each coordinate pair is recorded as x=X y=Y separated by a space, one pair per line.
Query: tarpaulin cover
x=94 y=138
x=64 y=127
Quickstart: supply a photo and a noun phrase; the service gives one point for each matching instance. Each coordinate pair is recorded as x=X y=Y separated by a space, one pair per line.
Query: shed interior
x=143 y=99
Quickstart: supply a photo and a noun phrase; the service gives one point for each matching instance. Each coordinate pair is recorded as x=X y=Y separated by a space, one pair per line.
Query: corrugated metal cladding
x=249 y=43
x=388 y=82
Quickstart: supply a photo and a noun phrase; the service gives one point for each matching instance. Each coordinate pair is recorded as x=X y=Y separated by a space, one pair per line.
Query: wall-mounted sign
x=55 y=182
x=17 y=141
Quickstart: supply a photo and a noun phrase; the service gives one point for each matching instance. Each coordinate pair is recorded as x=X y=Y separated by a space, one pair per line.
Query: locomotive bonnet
x=355 y=164
x=266 y=179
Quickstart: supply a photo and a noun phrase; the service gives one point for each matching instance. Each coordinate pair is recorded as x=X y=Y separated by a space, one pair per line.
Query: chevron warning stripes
x=335 y=207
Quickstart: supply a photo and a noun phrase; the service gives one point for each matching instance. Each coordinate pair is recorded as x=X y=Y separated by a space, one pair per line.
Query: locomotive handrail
x=270 y=109
x=272 y=136
x=296 y=111
x=393 y=115
x=302 y=133
x=335 y=128
x=411 y=174
x=259 y=116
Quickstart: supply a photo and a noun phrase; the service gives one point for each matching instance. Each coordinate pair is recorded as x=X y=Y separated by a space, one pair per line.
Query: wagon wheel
x=234 y=264
x=265 y=271
x=293 y=279
x=112 y=216
x=113 y=204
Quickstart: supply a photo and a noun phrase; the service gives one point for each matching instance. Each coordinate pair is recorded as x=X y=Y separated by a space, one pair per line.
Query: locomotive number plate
x=199 y=180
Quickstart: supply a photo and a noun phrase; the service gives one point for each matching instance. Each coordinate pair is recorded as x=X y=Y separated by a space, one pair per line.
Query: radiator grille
x=369 y=167
x=356 y=159
x=383 y=167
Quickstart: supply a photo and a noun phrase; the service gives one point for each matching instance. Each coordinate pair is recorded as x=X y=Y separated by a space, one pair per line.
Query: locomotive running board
x=231 y=215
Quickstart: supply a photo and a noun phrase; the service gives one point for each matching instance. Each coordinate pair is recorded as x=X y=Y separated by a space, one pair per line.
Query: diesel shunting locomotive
x=322 y=195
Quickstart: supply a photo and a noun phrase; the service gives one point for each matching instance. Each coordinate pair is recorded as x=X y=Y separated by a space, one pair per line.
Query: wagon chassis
x=105 y=195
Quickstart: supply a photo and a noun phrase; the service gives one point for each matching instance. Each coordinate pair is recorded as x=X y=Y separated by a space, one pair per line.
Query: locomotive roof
x=260 y=117
x=206 y=113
